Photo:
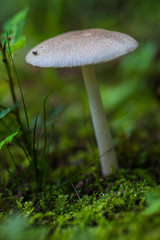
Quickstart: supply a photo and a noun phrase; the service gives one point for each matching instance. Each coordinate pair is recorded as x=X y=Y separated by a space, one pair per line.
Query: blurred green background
x=129 y=86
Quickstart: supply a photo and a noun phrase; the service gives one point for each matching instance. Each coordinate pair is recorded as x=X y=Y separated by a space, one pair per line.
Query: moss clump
x=119 y=207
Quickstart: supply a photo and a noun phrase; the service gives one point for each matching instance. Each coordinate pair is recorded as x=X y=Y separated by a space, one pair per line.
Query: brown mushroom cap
x=80 y=48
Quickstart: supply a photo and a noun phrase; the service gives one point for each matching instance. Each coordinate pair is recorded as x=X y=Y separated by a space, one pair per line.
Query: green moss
x=122 y=206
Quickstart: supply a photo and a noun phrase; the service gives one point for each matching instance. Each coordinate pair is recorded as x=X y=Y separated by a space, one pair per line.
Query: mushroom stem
x=101 y=128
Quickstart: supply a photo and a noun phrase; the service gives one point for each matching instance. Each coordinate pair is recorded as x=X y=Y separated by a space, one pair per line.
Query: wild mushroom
x=85 y=48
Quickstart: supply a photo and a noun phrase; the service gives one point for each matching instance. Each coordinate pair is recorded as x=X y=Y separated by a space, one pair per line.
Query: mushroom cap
x=80 y=48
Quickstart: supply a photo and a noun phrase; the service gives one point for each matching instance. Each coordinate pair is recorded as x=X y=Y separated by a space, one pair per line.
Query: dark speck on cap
x=34 y=52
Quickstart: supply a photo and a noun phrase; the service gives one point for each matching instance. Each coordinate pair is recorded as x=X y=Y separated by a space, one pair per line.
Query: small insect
x=35 y=53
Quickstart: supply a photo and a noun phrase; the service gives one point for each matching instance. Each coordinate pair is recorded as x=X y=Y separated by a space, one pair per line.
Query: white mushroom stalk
x=101 y=128
x=85 y=48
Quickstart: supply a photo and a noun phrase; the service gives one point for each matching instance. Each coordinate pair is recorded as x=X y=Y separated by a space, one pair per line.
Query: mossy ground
x=123 y=206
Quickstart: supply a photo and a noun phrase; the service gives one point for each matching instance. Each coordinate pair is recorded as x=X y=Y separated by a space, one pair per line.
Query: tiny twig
x=82 y=171
x=108 y=150
x=75 y=191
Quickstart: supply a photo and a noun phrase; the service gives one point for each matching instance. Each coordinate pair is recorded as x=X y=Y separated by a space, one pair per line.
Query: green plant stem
x=19 y=85
x=31 y=147
x=45 y=140
x=11 y=85
x=10 y=76
x=35 y=156
x=45 y=151
x=16 y=167
x=28 y=140
x=19 y=143
x=18 y=181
